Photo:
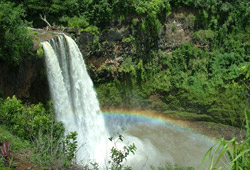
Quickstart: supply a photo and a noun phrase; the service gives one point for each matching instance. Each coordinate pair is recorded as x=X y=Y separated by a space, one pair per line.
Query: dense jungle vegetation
x=204 y=79
x=200 y=79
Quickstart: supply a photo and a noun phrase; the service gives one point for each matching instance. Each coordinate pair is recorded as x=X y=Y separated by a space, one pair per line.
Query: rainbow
x=156 y=117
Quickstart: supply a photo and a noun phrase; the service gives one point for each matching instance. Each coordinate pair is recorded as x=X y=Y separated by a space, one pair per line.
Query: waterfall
x=76 y=105
x=74 y=98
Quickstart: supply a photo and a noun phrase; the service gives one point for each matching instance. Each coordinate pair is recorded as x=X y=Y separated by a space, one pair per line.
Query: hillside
x=185 y=59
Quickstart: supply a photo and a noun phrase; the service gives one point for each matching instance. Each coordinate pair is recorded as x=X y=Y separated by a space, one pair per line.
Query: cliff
x=174 y=67
x=28 y=80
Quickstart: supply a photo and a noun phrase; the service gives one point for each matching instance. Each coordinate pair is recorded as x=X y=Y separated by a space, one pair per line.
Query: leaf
x=120 y=137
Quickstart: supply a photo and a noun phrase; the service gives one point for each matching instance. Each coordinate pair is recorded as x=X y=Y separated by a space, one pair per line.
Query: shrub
x=119 y=156
x=37 y=124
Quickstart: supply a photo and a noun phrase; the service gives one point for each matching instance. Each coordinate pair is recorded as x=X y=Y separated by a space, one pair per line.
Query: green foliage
x=40 y=51
x=52 y=152
x=27 y=122
x=5 y=151
x=81 y=23
x=69 y=147
x=204 y=36
x=119 y=156
x=78 y=22
x=191 y=81
x=53 y=9
x=9 y=108
x=109 y=89
x=179 y=3
x=149 y=31
x=170 y=166
x=191 y=78
x=154 y=6
x=16 y=43
x=17 y=144
x=36 y=123
x=232 y=14
x=127 y=67
x=238 y=153
x=92 y=29
x=217 y=15
x=129 y=39
x=7 y=165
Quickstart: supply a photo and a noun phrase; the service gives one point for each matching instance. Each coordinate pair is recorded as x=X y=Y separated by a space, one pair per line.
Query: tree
x=16 y=42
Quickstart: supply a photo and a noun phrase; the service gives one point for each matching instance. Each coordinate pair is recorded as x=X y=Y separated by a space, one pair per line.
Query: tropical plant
x=238 y=153
x=6 y=159
x=5 y=150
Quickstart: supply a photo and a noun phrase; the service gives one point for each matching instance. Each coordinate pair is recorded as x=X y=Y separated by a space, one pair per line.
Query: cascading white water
x=76 y=105
x=74 y=98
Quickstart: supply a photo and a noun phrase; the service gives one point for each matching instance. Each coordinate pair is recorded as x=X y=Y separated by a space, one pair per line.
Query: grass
x=19 y=149
x=16 y=143
x=238 y=153
x=170 y=166
x=188 y=116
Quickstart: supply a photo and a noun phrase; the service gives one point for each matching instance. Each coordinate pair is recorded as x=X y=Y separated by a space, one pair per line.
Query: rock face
x=107 y=50
x=110 y=48
x=27 y=81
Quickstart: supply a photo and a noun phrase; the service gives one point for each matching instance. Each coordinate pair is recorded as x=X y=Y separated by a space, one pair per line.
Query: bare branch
x=45 y=20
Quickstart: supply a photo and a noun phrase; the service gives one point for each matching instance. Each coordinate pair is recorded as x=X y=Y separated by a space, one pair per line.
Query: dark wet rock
x=27 y=81
x=84 y=40
x=111 y=35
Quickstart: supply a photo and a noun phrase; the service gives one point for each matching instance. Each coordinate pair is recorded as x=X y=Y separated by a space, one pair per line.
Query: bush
x=37 y=124
x=204 y=37
x=118 y=157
